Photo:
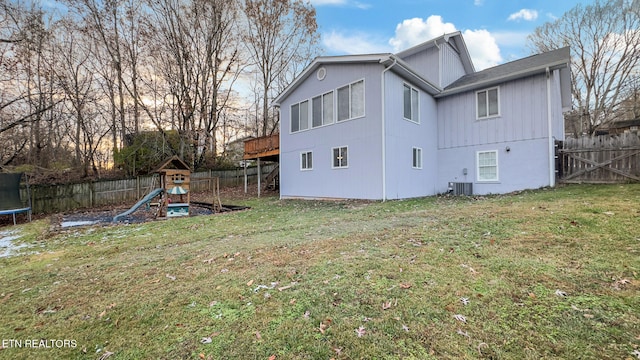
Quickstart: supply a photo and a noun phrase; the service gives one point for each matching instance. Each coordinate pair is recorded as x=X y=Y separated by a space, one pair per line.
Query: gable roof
x=532 y=65
x=173 y=162
x=454 y=39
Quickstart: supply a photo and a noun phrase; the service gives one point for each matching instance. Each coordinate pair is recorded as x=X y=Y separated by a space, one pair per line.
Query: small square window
x=487 y=103
x=306 y=160
x=340 y=157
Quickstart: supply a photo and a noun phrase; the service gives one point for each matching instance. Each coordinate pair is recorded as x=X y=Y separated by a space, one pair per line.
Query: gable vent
x=460 y=188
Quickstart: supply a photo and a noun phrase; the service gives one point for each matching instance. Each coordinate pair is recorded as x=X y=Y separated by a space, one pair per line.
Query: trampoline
x=10 y=201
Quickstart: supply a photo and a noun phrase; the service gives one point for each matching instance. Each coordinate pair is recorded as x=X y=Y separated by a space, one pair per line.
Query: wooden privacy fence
x=60 y=198
x=600 y=159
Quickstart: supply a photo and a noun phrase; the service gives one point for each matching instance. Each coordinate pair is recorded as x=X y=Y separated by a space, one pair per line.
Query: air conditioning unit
x=460 y=188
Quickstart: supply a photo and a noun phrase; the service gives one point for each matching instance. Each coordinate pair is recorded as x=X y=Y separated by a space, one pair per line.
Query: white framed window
x=488 y=103
x=417 y=158
x=340 y=157
x=300 y=116
x=411 y=102
x=306 y=160
x=351 y=101
x=322 y=110
x=487 y=165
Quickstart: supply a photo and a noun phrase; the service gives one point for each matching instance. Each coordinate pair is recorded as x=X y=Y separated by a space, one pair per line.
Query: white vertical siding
x=522 y=128
x=426 y=63
x=451 y=66
x=523 y=113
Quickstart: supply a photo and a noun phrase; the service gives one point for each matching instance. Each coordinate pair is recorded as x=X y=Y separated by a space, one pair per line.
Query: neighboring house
x=393 y=126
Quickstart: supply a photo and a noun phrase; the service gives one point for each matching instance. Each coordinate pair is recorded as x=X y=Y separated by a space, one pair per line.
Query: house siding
x=522 y=127
x=451 y=64
x=426 y=63
x=363 y=137
x=402 y=180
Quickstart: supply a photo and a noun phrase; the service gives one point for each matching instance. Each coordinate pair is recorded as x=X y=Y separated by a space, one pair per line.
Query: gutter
x=384 y=127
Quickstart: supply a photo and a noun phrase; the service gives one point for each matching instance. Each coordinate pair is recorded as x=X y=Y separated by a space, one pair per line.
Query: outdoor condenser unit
x=460 y=188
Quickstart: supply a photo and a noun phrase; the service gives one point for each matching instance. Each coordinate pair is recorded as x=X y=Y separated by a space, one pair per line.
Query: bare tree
x=605 y=44
x=280 y=37
x=199 y=61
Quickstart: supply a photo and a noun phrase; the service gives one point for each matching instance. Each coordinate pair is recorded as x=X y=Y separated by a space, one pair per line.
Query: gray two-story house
x=421 y=122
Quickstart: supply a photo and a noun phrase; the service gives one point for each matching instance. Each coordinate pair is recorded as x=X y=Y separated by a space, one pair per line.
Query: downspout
x=384 y=132
x=552 y=172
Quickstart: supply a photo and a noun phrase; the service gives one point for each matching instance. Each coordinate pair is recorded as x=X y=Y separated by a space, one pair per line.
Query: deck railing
x=262 y=146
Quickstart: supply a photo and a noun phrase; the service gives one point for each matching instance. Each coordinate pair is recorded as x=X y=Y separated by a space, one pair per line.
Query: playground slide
x=144 y=200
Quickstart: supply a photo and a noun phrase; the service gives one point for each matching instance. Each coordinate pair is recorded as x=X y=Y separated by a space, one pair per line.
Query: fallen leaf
x=258 y=336
x=386 y=305
x=460 y=318
x=103 y=313
x=588 y=316
x=561 y=293
x=272 y=357
x=250 y=282
x=532 y=295
x=201 y=355
x=106 y=355
x=323 y=327
x=360 y=332
x=463 y=333
x=405 y=286
x=306 y=314
x=292 y=301
x=170 y=277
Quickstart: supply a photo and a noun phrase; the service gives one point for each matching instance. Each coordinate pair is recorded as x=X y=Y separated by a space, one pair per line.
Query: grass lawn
x=546 y=274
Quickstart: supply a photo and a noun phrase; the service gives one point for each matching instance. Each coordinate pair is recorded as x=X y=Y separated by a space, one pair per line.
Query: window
x=306 y=160
x=417 y=158
x=488 y=165
x=322 y=110
x=300 y=116
x=411 y=101
x=488 y=103
x=351 y=101
x=340 y=157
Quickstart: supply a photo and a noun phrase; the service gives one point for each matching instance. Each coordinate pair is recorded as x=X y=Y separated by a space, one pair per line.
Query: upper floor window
x=411 y=104
x=322 y=110
x=300 y=116
x=488 y=103
x=351 y=101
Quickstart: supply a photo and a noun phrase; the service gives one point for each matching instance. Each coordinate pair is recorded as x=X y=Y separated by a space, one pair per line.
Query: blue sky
x=495 y=31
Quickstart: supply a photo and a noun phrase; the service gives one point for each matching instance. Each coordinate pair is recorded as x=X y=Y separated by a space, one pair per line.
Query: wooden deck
x=266 y=148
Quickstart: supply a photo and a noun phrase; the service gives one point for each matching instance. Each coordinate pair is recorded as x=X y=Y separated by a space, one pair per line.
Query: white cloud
x=483 y=48
x=354 y=43
x=482 y=45
x=415 y=31
x=478 y=2
x=524 y=14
